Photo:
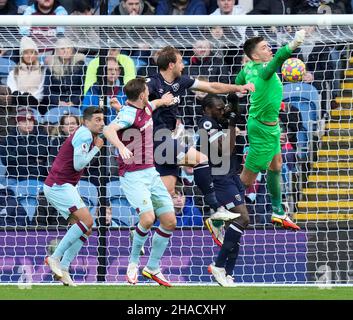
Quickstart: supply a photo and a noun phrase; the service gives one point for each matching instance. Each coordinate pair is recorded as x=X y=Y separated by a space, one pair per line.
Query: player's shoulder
x=207 y=123
x=127 y=111
x=126 y=115
x=82 y=134
x=152 y=79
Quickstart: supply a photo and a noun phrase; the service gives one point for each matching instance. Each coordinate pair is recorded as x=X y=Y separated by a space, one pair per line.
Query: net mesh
x=316 y=154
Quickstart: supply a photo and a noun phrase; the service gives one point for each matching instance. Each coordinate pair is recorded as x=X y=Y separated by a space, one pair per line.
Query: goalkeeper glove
x=298 y=40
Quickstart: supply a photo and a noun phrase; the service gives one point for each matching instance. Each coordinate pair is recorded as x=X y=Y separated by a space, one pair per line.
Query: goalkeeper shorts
x=264 y=144
x=64 y=198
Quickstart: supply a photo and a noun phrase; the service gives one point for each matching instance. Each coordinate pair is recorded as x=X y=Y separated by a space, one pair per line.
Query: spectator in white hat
x=27 y=78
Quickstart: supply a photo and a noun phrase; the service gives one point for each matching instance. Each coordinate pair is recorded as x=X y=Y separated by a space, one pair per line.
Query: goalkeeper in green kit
x=262 y=126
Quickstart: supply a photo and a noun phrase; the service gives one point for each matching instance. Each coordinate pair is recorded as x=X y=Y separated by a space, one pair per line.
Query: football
x=293 y=70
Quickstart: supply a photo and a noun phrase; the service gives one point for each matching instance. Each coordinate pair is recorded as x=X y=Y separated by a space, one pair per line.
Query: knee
x=170 y=224
x=244 y=220
x=202 y=158
x=88 y=221
x=147 y=220
x=276 y=165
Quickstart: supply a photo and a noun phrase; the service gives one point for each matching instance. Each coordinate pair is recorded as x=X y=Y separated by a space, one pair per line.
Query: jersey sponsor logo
x=175 y=87
x=207 y=125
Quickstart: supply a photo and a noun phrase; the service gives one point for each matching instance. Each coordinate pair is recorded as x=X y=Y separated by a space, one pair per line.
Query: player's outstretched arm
x=110 y=132
x=282 y=54
x=218 y=87
x=298 y=40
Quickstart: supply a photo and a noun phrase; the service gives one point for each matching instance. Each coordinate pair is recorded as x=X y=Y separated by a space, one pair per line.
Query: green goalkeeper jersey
x=265 y=102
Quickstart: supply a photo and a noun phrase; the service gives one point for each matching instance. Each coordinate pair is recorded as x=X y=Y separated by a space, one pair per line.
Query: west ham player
x=229 y=189
x=170 y=79
x=60 y=190
x=132 y=133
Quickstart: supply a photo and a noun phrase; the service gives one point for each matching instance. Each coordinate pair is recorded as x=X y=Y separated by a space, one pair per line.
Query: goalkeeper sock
x=203 y=179
x=73 y=234
x=139 y=239
x=274 y=188
x=160 y=242
x=72 y=252
x=230 y=248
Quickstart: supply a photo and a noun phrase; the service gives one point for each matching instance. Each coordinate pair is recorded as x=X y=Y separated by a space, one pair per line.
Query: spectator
x=7 y=111
x=147 y=60
x=273 y=7
x=45 y=35
x=64 y=77
x=24 y=151
x=225 y=48
x=116 y=97
x=206 y=64
x=67 y=125
x=28 y=76
x=133 y=7
x=181 y=7
x=8 y=7
x=11 y=211
x=124 y=61
x=211 y=5
x=228 y=7
x=292 y=122
x=321 y=7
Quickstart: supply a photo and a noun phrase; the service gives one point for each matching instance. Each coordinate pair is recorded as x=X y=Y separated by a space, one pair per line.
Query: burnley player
x=132 y=134
x=229 y=189
x=61 y=192
x=170 y=79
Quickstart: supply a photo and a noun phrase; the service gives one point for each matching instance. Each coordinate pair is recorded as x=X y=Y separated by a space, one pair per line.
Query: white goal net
x=71 y=71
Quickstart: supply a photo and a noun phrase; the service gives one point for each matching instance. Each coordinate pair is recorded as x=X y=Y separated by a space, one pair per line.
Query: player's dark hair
x=90 y=111
x=167 y=55
x=134 y=88
x=250 y=45
x=210 y=101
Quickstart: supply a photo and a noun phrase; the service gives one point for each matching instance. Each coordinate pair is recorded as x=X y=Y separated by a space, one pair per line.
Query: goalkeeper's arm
x=282 y=54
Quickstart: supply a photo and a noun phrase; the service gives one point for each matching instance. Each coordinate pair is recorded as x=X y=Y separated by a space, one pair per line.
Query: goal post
x=317 y=155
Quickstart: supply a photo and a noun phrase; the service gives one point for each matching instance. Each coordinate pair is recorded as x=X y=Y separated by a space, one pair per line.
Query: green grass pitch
x=175 y=293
